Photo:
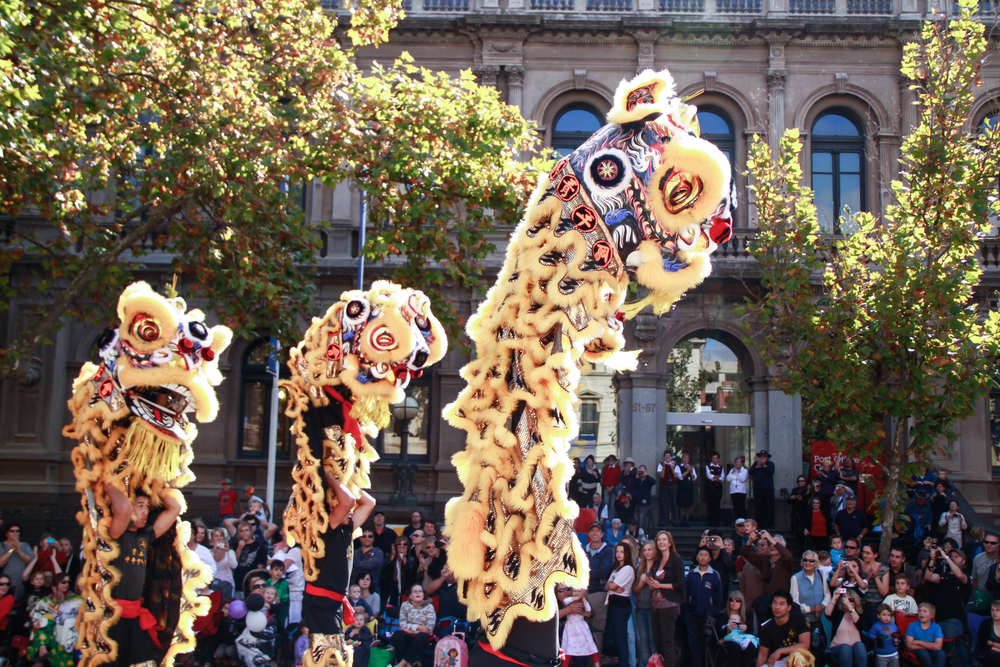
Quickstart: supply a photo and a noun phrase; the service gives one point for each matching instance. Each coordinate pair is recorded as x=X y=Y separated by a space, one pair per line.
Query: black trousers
x=763 y=504
x=713 y=498
x=409 y=647
x=739 y=505
x=135 y=646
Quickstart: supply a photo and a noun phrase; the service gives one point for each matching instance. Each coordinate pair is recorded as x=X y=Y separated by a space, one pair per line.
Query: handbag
x=655 y=661
x=658 y=601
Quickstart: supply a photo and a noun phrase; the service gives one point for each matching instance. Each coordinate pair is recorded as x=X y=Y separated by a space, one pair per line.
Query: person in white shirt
x=294 y=575
x=198 y=534
x=619 y=588
x=738 y=479
x=900 y=601
x=225 y=563
x=808 y=588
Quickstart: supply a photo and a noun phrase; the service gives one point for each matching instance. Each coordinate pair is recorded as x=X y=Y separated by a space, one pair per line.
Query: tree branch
x=12 y=365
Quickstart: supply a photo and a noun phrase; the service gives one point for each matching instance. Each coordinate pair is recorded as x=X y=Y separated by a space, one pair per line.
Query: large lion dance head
x=663 y=193
x=359 y=357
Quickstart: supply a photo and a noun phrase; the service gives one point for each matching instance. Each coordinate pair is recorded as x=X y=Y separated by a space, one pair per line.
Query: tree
x=182 y=126
x=892 y=349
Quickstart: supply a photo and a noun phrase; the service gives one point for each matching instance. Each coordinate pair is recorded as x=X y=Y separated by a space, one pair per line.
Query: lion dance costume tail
x=643 y=198
x=130 y=416
x=349 y=367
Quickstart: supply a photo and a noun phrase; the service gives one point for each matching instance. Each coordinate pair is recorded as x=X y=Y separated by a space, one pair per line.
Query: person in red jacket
x=610 y=475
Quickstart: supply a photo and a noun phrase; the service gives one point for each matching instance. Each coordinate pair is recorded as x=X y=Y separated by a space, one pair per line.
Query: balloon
x=237 y=609
x=256 y=621
x=255 y=602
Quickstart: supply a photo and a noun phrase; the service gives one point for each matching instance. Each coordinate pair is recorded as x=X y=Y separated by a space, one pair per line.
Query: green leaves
x=894 y=335
x=196 y=115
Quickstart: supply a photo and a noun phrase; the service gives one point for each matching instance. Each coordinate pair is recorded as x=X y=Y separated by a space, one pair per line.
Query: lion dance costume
x=130 y=416
x=350 y=366
x=643 y=197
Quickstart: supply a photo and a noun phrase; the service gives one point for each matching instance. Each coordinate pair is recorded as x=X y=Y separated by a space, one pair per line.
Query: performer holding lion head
x=130 y=416
x=350 y=366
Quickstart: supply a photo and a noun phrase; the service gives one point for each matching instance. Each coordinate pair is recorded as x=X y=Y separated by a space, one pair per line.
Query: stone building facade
x=757 y=66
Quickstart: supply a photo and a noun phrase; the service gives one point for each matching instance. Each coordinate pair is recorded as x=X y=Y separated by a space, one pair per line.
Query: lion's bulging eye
x=680 y=191
x=145 y=328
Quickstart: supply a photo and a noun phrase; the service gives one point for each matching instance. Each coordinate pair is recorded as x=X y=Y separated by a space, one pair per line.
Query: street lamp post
x=404 y=472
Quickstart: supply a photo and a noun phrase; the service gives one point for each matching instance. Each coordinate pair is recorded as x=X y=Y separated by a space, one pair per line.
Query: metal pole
x=272 y=436
x=362 y=223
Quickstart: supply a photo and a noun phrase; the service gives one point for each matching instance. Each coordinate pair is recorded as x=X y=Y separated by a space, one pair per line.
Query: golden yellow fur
x=558 y=302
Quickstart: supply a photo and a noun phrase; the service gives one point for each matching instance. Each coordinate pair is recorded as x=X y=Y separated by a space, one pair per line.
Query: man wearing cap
x=629 y=479
x=229 y=501
x=384 y=536
x=601 y=558
x=643 y=498
x=762 y=474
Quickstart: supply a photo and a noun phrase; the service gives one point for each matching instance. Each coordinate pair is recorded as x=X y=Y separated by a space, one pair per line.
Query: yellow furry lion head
x=159 y=365
x=663 y=193
x=373 y=343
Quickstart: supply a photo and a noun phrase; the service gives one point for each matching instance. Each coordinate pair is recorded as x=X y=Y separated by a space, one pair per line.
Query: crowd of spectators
x=740 y=596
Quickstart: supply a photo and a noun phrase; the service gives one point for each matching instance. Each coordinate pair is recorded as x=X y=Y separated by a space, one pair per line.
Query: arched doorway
x=709 y=406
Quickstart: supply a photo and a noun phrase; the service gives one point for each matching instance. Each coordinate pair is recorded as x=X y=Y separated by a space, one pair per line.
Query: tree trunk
x=893 y=472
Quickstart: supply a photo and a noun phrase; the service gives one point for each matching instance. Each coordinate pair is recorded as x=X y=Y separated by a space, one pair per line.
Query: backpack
x=452 y=651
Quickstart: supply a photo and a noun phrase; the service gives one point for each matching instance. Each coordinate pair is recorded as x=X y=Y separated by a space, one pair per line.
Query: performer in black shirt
x=133 y=631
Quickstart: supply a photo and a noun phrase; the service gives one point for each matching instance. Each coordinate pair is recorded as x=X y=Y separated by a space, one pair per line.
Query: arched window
x=718 y=129
x=838 y=168
x=255 y=405
x=573 y=126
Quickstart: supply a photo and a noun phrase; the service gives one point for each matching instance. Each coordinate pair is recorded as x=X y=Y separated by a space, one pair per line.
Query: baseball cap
x=248 y=489
x=739 y=521
x=226 y=480
x=379 y=512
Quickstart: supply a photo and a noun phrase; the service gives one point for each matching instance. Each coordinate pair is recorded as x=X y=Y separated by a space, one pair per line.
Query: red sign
x=822 y=450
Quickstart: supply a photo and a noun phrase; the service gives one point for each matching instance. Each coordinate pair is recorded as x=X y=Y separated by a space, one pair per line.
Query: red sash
x=134 y=609
x=350 y=423
x=323 y=593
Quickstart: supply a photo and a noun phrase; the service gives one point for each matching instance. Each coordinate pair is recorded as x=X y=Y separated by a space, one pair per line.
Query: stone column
x=642 y=417
x=515 y=84
x=784 y=437
x=775 y=107
x=907 y=106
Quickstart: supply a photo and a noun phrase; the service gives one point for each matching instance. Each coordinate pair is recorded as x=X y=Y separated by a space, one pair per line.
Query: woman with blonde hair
x=667 y=584
x=844 y=612
x=737 y=655
x=642 y=616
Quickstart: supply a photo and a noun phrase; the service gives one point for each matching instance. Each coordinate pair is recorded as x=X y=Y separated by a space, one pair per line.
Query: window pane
x=713 y=123
x=418 y=429
x=850 y=163
x=850 y=193
x=834 y=125
x=589 y=420
x=578 y=120
x=258 y=356
x=823 y=198
x=255 y=402
x=822 y=163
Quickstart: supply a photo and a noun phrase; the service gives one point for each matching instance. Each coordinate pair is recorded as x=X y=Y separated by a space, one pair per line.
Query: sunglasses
x=14 y=530
x=991 y=543
x=808 y=560
x=4 y=583
x=256 y=586
x=735 y=600
x=848 y=546
x=367 y=537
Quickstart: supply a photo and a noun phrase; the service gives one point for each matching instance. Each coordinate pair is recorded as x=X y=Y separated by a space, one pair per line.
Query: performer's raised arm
x=122 y=510
x=171 y=510
x=345 y=500
x=366 y=505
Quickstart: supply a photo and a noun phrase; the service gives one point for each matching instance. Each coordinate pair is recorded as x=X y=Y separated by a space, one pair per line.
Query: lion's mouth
x=163 y=407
